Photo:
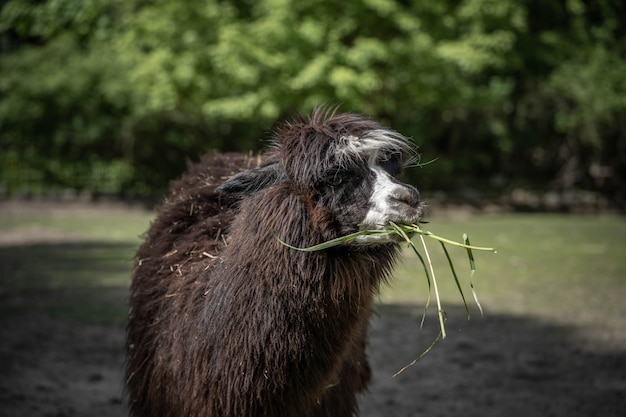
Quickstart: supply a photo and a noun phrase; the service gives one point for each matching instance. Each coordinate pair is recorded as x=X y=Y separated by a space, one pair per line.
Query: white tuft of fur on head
x=374 y=144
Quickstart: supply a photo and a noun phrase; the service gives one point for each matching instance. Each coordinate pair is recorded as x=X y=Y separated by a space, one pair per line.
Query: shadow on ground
x=495 y=366
x=63 y=277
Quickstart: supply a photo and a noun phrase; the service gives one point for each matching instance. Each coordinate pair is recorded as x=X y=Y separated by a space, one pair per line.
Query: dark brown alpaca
x=225 y=320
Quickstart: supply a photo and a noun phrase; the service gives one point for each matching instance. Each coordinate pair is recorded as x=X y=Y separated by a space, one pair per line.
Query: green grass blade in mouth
x=414 y=228
x=440 y=311
x=401 y=229
x=333 y=242
x=456 y=278
x=401 y=232
x=419 y=357
x=470 y=256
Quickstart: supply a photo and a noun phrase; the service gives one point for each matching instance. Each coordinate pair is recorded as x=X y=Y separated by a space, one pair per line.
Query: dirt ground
x=496 y=366
x=492 y=366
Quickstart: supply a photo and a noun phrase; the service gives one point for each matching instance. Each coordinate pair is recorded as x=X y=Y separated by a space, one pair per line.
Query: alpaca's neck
x=341 y=274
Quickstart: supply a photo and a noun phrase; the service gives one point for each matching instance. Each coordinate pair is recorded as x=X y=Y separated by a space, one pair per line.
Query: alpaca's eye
x=392 y=165
x=335 y=180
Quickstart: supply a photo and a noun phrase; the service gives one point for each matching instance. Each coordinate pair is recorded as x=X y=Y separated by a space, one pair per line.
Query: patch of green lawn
x=93 y=224
x=75 y=265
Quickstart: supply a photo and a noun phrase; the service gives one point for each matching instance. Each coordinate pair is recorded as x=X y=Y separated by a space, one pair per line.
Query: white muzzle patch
x=390 y=201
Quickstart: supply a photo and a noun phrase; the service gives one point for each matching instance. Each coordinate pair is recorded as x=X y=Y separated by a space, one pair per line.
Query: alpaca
x=225 y=320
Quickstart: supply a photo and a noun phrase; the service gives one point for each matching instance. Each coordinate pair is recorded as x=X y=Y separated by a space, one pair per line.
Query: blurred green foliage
x=115 y=96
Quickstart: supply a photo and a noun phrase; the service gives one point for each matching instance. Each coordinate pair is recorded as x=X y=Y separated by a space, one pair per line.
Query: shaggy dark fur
x=226 y=321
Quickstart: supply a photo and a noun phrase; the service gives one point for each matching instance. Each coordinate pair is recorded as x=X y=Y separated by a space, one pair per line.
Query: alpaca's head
x=346 y=167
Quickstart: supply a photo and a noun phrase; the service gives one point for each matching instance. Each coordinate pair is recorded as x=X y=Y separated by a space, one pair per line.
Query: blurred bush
x=115 y=96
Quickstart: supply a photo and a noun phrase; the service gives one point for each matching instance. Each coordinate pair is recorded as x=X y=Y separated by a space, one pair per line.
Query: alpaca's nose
x=407 y=194
x=413 y=196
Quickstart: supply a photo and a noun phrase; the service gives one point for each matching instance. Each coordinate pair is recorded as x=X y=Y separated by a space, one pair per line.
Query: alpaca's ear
x=253 y=180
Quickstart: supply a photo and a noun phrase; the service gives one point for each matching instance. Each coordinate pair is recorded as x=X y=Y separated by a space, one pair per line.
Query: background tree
x=115 y=96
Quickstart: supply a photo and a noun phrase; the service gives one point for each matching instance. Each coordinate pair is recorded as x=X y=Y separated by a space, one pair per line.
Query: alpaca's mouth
x=404 y=214
x=386 y=236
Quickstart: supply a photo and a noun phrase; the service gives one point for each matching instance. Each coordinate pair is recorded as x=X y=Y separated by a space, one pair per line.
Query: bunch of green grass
x=405 y=230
